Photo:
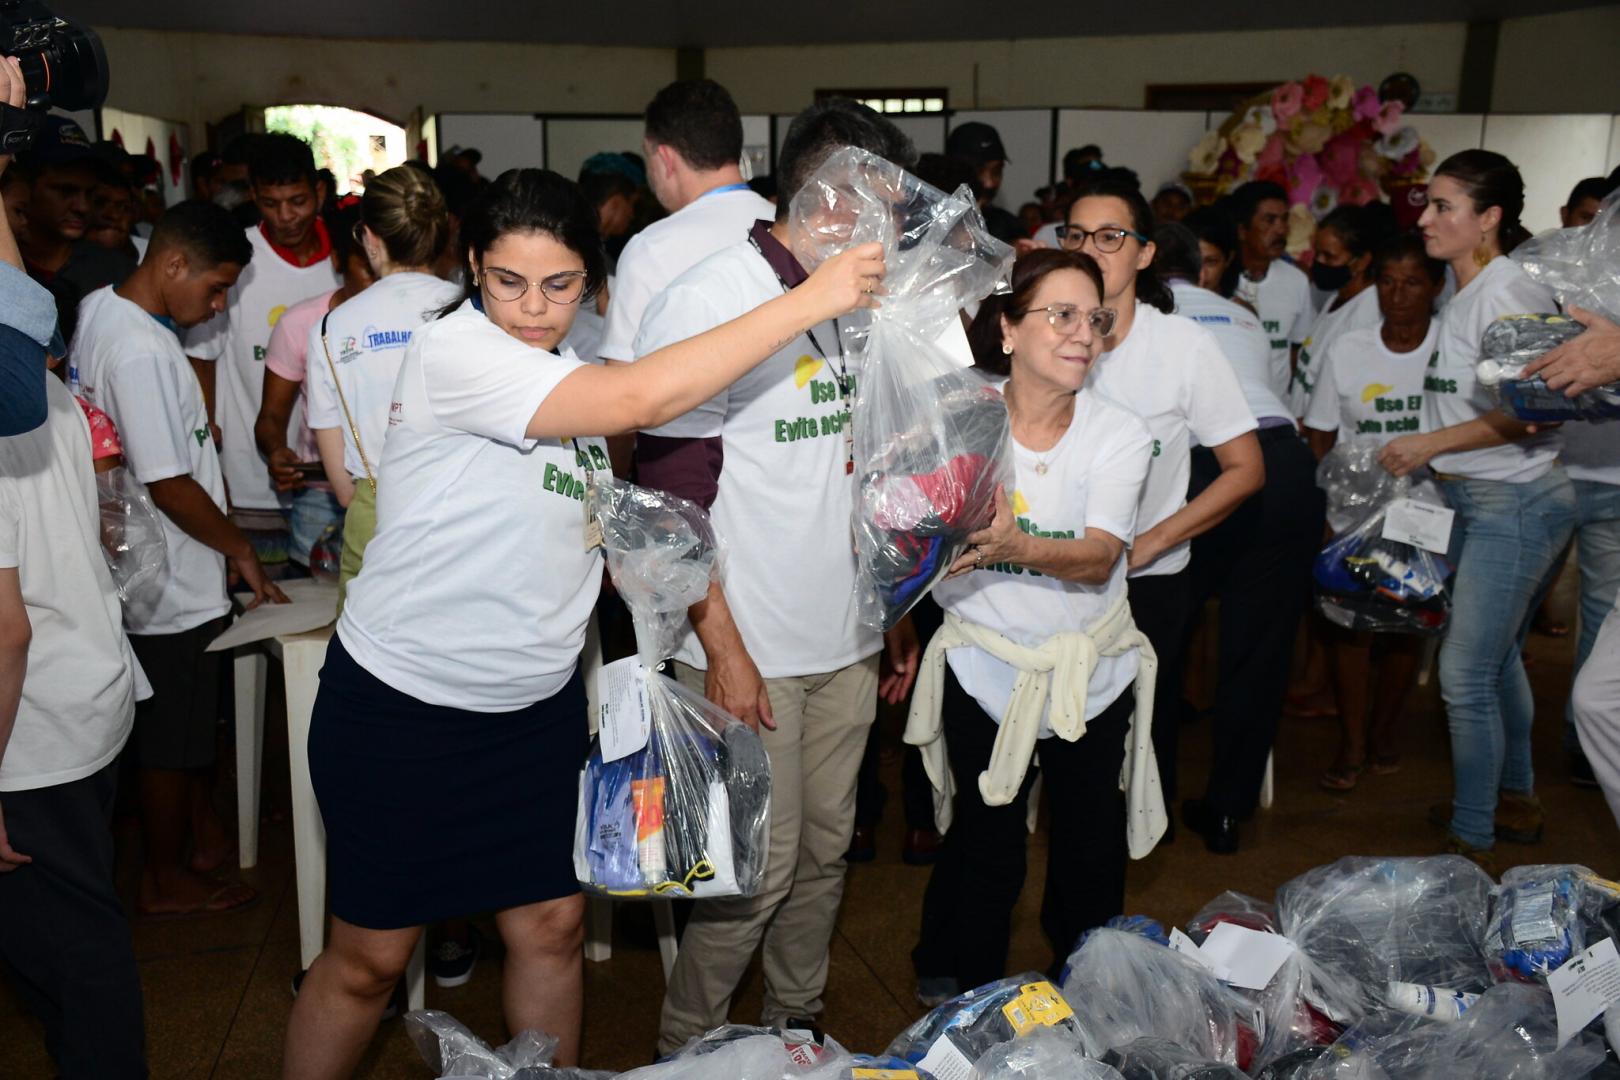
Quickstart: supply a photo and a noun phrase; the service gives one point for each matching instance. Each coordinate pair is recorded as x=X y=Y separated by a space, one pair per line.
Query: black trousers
x=1258 y=563
x=967 y=909
x=917 y=794
x=63 y=933
x=1161 y=604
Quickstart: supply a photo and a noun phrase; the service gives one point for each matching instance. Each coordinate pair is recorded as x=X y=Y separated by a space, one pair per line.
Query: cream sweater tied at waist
x=1058 y=670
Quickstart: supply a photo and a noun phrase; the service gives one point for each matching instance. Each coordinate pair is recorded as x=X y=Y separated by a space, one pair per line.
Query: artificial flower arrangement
x=1324 y=140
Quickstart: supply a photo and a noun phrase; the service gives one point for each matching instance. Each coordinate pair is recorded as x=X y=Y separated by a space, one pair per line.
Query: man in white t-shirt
x=779 y=645
x=131 y=365
x=1275 y=288
x=292 y=262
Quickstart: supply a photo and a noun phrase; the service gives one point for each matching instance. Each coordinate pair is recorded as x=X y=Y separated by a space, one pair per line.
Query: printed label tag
x=945 y=1062
x=1585 y=987
x=626 y=719
x=1421 y=524
x=1038 y=1004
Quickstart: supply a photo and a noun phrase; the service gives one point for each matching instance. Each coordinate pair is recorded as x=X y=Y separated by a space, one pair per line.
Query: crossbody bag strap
x=371 y=477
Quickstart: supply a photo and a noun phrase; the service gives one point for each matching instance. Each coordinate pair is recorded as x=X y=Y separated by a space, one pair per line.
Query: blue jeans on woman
x=1504 y=542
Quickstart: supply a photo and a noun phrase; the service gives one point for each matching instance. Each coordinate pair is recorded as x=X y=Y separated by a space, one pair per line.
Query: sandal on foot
x=1341 y=777
x=226 y=898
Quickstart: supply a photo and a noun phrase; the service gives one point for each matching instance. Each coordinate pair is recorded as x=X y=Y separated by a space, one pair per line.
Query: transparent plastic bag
x=931 y=438
x=1159 y=1059
x=1541 y=916
x=454 y=1052
x=741 y=1052
x=686 y=814
x=963 y=1029
x=131 y=533
x=1510 y=344
x=1127 y=987
x=1365 y=582
x=1355 y=483
x=1041 y=1055
x=1365 y=922
x=1233 y=907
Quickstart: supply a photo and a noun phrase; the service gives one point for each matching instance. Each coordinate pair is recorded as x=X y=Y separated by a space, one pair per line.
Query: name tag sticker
x=1421 y=524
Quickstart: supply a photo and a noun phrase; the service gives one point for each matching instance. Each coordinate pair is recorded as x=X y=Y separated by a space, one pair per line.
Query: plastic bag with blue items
x=931 y=438
x=679 y=807
x=1543 y=915
x=1365 y=581
x=956 y=1034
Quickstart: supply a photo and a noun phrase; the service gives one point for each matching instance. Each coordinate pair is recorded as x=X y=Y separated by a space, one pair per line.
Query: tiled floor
x=217 y=989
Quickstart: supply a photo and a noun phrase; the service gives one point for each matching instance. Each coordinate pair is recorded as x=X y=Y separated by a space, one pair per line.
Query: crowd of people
x=428 y=374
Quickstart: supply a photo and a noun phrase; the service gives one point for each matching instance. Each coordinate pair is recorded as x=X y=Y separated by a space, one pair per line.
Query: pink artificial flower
x=1357 y=191
x=1365 y=105
x=1341 y=158
x=1315 y=92
x=1304 y=178
x=1389 y=118
x=1270 y=158
x=1286 y=101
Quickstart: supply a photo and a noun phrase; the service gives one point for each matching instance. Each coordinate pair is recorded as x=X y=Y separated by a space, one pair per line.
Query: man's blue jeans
x=1504 y=543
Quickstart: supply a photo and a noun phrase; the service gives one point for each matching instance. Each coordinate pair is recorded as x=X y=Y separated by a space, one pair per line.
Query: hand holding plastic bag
x=131 y=533
x=684 y=812
x=1355 y=483
x=930 y=437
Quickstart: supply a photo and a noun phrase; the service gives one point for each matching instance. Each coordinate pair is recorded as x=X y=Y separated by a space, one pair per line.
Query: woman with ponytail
x=1515 y=508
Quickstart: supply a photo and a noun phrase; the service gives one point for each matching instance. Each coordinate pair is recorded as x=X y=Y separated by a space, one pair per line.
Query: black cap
x=976 y=143
x=61 y=142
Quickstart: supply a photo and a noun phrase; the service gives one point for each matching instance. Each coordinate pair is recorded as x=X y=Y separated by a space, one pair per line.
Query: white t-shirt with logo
x=1360 y=312
x=1366 y=392
x=78 y=693
x=1237 y=330
x=477 y=586
x=1283 y=299
x=1451 y=391
x=236 y=340
x=367 y=336
x=1171 y=372
x=133 y=369
x=1093 y=480
x=665 y=250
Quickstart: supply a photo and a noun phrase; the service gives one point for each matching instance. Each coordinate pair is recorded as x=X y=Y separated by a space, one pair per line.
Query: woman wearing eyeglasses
x=450 y=726
x=354 y=353
x=1171 y=373
x=1038 y=648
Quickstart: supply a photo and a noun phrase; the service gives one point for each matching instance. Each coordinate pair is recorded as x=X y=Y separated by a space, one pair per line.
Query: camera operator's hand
x=14 y=91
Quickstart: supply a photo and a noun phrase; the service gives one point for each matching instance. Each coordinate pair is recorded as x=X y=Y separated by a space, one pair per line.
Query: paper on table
x=313 y=605
x=1250 y=957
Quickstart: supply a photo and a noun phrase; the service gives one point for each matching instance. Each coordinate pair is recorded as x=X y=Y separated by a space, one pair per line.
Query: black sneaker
x=398 y=1001
x=451 y=964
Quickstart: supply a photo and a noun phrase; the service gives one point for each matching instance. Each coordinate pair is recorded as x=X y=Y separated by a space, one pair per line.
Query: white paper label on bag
x=1250 y=957
x=1421 y=524
x=626 y=720
x=1585 y=986
x=945 y=1062
x=1184 y=945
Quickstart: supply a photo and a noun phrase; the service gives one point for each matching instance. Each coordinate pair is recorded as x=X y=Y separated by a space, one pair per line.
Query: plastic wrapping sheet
x=1159 y=1059
x=1511 y=344
x=931 y=439
x=1041 y=1055
x=1355 y=483
x=1124 y=986
x=131 y=533
x=1540 y=916
x=1233 y=907
x=455 y=1053
x=1367 y=582
x=686 y=814
x=752 y=1053
x=1365 y=922
x=965 y=1028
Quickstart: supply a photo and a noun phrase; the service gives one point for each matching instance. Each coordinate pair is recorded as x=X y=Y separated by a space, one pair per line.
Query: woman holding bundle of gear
x=1038 y=646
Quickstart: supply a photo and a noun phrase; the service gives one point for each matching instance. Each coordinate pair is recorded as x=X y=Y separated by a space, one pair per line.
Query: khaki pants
x=359 y=526
x=815 y=752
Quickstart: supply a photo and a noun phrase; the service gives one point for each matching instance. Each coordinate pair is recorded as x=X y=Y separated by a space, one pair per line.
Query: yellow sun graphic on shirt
x=276 y=313
x=804 y=369
x=1372 y=390
x=1020 y=505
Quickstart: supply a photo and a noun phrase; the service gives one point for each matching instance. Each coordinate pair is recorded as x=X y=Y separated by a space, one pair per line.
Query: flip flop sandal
x=1343 y=778
x=207 y=907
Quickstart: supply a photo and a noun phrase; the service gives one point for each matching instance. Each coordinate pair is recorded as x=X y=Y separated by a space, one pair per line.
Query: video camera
x=63 y=65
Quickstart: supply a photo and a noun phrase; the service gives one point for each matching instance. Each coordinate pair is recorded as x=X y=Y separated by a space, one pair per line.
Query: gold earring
x=1482 y=254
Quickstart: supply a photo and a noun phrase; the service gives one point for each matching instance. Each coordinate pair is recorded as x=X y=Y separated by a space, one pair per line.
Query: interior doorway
x=348 y=142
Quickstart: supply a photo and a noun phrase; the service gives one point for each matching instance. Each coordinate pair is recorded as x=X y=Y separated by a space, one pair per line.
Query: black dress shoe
x=863 y=845
x=1220 y=831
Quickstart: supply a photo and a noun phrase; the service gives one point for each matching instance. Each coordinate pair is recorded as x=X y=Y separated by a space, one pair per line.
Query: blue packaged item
x=1367 y=582
x=1543 y=915
x=1510 y=344
x=956 y=1034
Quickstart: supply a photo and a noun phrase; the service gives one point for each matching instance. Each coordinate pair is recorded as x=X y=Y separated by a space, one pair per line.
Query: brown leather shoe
x=922 y=847
x=1519 y=818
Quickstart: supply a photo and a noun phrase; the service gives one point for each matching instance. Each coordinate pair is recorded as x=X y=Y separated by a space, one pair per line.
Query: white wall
x=1155 y=144
x=136 y=129
x=507 y=140
x=1566 y=63
x=570 y=142
x=1552 y=153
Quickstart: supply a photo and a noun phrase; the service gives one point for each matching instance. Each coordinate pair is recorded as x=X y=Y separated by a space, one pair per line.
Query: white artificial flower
x=1397 y=146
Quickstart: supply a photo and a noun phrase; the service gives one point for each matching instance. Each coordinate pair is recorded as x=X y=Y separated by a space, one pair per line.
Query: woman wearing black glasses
x=1169 y=371
x=1038 y=648
x=450 y=726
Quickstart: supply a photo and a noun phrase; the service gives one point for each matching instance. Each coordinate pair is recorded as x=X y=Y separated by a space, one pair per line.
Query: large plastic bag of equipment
x=752 y=1053
x=131 y=533
x=1540 y=916
x=1582 y=268
x=1511 y=1033
x=931 y=441
x=1233 y=907
x=454 y=1053
x=1127 y=986
x=956 y=1034
x=1041 y=1055
x=1159 y=1059
x=1367 y=922
x=1365 y=581
x=1355 y=483
x=674 y=797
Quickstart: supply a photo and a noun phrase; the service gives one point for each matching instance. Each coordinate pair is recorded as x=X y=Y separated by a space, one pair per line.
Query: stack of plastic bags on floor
x=1366 y=969
x=1364 y=580
x=931 y=437
x=1579 y=266
x=679 y=807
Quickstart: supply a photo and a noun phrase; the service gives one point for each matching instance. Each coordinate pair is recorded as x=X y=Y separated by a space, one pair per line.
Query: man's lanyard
x=722 y=190
x=841 y=376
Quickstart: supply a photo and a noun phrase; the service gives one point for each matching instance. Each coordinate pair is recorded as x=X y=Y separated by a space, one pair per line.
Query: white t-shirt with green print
x=1369 y=393
x=1360 y=312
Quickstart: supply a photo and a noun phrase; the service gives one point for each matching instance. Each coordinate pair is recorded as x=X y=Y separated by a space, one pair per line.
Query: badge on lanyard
x=593 y=525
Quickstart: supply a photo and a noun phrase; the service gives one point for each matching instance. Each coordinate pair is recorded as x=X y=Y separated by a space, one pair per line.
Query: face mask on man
x=1330 y=278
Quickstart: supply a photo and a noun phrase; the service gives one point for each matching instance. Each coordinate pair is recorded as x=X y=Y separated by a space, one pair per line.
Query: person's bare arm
x=270 y=430
x=1243 y=472
x=1406 y=454
x=189 y=507
x=1589 y=361
x=1086 y=560
x=732 y=681
x=330 y=441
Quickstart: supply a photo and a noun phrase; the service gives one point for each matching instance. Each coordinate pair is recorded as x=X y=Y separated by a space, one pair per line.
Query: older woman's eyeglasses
x=1065 y=318
x=1108 y=239
x=562 y=288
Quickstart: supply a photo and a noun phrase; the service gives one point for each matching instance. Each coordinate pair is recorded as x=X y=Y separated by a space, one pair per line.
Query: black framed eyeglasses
x=1065 y=318
x=561 y=288
x=1108 y=239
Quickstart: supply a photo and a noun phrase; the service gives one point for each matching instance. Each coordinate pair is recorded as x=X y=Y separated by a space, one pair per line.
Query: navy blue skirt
x=433 y=812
